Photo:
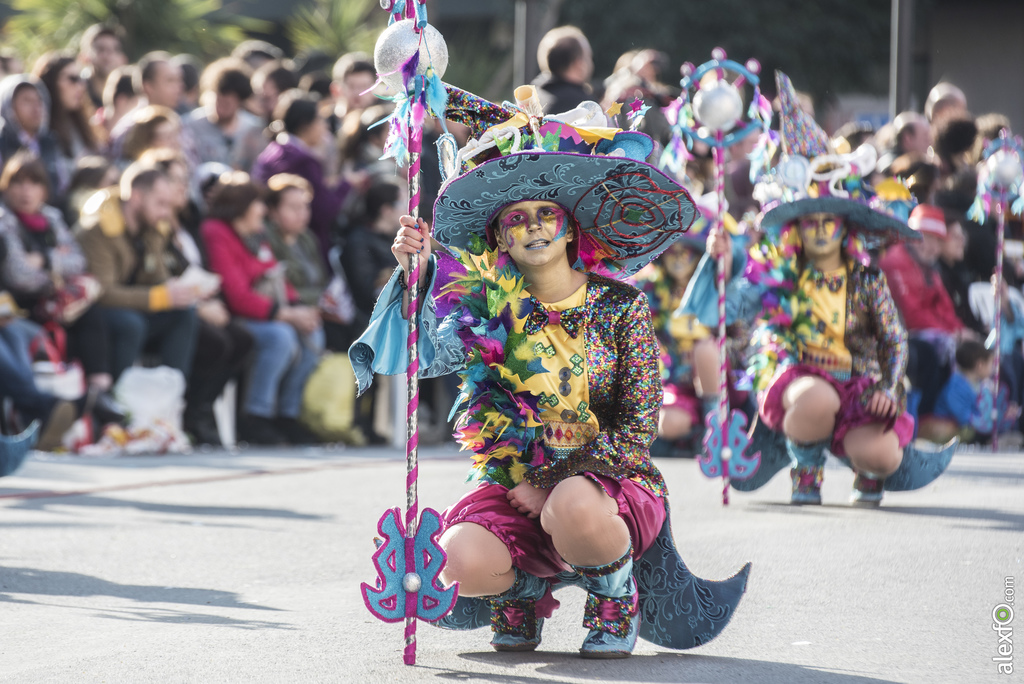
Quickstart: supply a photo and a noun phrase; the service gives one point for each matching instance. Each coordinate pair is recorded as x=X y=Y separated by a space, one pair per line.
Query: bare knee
x=811 y=406
x=674 y=423
x=812 y=397
x=937 y=430
x=578 y=505
x=477 y=560
x=872 y=449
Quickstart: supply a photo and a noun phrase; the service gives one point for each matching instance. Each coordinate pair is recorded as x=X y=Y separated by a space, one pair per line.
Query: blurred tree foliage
x=826 y=46
x=193 y=26
x=337 y=26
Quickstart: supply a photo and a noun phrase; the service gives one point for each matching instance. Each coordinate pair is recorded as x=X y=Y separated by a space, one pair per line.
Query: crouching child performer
x=560 y=388
x=831 y=351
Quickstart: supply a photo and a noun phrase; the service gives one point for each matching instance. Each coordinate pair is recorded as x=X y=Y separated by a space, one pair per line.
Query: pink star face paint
x=822 y=235
x=821 y=229
x=533 y=224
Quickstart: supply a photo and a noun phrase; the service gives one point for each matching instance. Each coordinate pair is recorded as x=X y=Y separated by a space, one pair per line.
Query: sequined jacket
x=622 y=357
x=875 y=337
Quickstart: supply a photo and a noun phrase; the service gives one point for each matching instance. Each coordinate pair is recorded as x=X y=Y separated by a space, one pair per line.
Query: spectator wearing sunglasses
x=70 y=111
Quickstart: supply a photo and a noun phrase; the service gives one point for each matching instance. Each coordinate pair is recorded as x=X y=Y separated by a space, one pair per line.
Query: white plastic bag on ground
x=154 y=398
x=152 y=395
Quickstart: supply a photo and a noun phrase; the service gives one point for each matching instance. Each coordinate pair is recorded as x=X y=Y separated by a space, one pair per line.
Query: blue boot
x=612 y=611
x=808 y=466
x=867 y=490
x=514 y=614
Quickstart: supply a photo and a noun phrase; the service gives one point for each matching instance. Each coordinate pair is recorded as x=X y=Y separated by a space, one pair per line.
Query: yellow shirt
x=825 y=347
x=564 y=389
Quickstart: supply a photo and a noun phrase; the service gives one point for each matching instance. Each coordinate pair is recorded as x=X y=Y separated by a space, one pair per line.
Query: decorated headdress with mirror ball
x=1000 y=174
x=628 y=212
x=811 y=178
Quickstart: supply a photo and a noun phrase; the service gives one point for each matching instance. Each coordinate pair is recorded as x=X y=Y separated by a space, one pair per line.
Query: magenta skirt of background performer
x=851 y=413
x=684 y=398
x=530 y=546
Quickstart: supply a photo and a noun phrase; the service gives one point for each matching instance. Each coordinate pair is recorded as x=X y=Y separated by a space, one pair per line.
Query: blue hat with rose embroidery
x=628 y=211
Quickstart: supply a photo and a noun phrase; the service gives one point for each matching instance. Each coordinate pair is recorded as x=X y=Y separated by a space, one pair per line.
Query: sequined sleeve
x=477 y=113
x=630 y=422
x=891 y=335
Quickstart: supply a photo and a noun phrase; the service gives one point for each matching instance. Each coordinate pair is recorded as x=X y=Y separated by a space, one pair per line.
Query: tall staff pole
x=413 y=376
x=999 y=176
x=716 y=117
x=718 y=152
x=997 y=322
x=410 y=57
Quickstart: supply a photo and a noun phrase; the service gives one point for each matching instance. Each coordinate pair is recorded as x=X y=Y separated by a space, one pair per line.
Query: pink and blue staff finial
x=410 y=57
x=407 y=585
x=406 y=9
x=1001 y=176
x=714 y=115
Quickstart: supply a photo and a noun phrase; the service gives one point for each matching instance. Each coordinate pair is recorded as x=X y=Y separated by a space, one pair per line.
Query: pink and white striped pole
x=413 y=386
x=410 y=57
x=723 y=374
x=997 y=319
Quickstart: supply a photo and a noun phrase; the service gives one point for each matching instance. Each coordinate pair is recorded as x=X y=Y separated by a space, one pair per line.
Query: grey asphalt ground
x=245 y=567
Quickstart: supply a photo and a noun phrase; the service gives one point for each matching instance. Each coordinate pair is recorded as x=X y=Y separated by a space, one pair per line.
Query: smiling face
x=822 y=236
x=534 y=233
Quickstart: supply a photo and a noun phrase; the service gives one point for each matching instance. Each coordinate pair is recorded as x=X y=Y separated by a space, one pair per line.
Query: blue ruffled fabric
x=382 y=348
x=742 y=298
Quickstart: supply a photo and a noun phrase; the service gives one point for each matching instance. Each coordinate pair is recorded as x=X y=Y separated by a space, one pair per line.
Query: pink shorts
x=530 y=546
x=852 y=413
x=683 y=399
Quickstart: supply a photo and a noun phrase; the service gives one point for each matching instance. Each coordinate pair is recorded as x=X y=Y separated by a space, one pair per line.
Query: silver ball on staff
x=718 y=106
x=399 y=42
x=1005 y=168
x=412 y=583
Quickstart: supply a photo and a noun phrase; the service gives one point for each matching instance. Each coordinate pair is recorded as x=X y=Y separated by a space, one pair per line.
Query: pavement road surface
x=245 y=567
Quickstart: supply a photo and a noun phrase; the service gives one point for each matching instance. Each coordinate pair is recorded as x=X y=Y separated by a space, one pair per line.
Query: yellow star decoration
x=614 y=109
x=892 y=189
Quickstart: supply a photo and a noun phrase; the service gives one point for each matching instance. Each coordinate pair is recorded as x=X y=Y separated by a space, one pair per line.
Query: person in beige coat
x=122 y=235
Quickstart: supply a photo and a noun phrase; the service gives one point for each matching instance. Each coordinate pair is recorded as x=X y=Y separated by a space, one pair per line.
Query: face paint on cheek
x=513 y=228
x=561 y=224
x=836 y=231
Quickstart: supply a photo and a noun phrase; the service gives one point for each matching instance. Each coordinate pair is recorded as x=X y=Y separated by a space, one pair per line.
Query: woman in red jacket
x=289 y=337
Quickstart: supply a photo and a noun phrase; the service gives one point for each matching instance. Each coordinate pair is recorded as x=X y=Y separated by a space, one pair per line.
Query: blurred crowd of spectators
x=234 y=221
x=230 y=220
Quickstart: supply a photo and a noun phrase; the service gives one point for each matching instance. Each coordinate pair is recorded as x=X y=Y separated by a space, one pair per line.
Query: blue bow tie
x=571 y=320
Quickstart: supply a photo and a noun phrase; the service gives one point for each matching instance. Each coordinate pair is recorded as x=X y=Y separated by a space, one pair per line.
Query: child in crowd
x=964 y=407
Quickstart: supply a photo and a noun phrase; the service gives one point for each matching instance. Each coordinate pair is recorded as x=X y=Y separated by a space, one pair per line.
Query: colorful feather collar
x=500 y=426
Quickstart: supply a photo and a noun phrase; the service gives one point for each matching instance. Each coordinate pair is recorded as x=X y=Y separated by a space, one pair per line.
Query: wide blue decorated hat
x=812 y=179
x=628 y=211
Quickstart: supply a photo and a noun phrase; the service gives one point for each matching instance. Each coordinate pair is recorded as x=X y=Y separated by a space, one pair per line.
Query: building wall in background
x=979 y=46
